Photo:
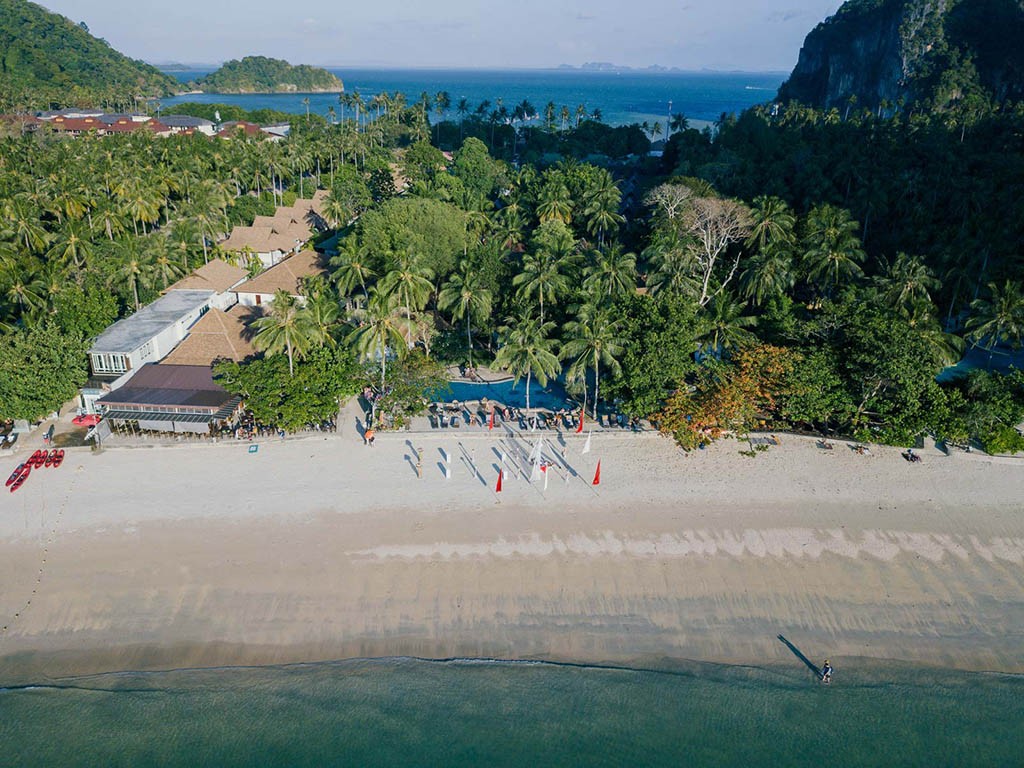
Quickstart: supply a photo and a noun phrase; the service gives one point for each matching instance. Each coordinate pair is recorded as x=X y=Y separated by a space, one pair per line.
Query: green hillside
x=259 y=74
x=45 y=51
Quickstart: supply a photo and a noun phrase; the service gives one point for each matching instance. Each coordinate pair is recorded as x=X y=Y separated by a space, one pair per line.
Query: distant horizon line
x=654 y=69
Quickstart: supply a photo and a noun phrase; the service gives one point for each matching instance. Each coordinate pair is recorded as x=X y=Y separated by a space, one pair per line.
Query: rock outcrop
x=937 y=54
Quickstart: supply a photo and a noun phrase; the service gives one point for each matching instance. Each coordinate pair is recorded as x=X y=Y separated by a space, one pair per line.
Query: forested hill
x=258 y=74
x=43 y=50
x=941 y=55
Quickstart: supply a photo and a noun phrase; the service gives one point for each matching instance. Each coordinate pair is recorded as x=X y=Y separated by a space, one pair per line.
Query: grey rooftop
x=129 y=334
x=184 y=121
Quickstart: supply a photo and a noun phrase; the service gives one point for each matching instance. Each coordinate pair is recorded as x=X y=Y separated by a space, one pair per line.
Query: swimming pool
x=553 y=397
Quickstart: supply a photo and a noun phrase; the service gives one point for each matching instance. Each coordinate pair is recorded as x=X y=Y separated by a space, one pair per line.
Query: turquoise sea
x=406 y=712
x=623 y=98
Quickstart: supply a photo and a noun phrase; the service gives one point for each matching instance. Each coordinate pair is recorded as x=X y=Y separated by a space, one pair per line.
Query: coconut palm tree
x=833 y=251
x=906 y=281
x=527 y=350
x=601 y=206
x=134 y=269
x=612 y=273
x=410 y=282
x=466 y=297
x=998 y=317
x=767 y=275
x=723 y=325
x=381 y=328
x=352 y=267
x=542 y=277
x=593 y=339
x=774 y=224
x=554 y=202
x=23 y=287
x=286 y=328
x=672 y=269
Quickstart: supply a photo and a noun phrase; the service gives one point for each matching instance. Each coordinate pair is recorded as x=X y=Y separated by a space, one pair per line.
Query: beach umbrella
x=597 y=474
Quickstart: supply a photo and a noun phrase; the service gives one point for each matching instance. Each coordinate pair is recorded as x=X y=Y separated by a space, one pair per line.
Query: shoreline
x=321 y=550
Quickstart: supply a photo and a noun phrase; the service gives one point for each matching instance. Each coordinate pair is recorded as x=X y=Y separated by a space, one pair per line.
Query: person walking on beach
x=368 y=437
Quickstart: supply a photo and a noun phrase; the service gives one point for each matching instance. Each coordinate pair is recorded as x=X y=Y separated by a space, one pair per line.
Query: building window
x=107 y=363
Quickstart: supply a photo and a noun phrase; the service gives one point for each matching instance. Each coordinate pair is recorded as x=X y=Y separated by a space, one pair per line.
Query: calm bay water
x=406 y=712
x=622 y=98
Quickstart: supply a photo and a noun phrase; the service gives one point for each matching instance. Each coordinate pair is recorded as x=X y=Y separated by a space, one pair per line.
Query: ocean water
x=404 y=712
x=622 y=98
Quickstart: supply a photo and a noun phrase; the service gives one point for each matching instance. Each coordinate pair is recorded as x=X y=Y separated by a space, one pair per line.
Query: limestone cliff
x=934 y=53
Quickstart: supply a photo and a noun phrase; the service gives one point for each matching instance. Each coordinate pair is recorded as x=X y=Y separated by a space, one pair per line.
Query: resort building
x=149 y=334
x=189 y=124
x=170 y=398
x=217 y=276
x=289 y=275
x=217 y=336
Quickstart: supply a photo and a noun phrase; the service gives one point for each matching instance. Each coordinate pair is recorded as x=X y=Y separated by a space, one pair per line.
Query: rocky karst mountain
x=932 y=54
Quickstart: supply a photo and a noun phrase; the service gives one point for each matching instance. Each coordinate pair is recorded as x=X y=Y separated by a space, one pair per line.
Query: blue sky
x=692 y=34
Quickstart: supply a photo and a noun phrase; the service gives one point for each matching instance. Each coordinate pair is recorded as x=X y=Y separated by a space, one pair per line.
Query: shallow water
x=410 y=712
x=623 y=98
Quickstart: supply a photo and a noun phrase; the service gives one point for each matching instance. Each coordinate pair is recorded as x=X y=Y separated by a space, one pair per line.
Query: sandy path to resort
x=323 y=549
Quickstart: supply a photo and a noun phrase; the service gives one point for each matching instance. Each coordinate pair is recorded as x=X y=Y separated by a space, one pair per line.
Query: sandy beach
x=322 y=548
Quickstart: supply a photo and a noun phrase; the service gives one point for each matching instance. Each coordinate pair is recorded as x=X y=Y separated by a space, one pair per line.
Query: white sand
x=322 y=549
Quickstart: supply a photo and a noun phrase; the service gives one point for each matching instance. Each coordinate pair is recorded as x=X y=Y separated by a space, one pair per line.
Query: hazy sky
x=693 y=34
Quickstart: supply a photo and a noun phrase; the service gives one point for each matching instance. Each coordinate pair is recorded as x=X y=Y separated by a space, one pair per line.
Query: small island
x=259 y=74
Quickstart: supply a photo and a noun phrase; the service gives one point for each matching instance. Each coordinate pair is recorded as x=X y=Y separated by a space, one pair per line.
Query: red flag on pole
x=597 y=474
x=579 y=427
x=497 y=488
x=490 y=421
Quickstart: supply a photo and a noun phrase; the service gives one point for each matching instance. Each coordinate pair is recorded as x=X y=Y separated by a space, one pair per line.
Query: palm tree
x=23 y=287
x=672 y=269
x=323 y=310
x=410 y=282
x=594 y=339
x=133 y=266
x=767 y=275
x=352 y=268
x=286 y=328
x=554 y=202
x=601 y=205
x=612 y=274
x=679 y=123
x=774 y=224
x=723 y=325
x=465 y=296
x=540 y=275
x=998 y=317
x=381 y=328
x=527 y=351
x=906 y=282
x=832 y=249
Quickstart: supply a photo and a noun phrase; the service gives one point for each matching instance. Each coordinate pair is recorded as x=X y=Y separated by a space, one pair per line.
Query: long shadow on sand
x=799 y=654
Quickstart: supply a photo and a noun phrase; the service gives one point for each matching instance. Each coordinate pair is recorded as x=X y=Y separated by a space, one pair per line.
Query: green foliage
x=432 y=230
x=659 y=339
x=83 y=312
x=45 y=51
x=475 y=168
x=259 y=74
x=323 y=378
x=421 y=162
x=995 y=408
x=405 y=396
x=40 y=370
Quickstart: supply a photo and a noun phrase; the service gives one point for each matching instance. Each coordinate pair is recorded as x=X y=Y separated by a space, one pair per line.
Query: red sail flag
x=497 y=488
x=597 y=474
x=579 y=427
x=490 y=422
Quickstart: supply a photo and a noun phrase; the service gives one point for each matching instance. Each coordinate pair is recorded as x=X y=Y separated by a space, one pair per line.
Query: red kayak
x=34 y=458
x=40 y=459
x=15 y=473
x=21 y=478
x=50 y=458
x=59 y=458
